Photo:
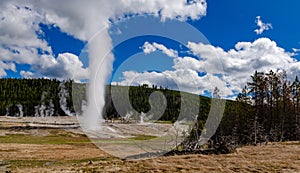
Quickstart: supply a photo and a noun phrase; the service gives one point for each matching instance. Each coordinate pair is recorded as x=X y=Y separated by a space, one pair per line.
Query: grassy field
x=56 y=150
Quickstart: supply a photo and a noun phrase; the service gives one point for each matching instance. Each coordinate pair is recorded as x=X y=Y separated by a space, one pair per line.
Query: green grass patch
x=123 y=140
x=164 y=122
x=142 y=137
x=51 y=139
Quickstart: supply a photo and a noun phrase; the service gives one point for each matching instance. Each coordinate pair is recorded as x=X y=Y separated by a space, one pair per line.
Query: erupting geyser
x=100 y=58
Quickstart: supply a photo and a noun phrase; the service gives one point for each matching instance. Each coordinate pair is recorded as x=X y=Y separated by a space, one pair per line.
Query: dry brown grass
x=62 y=156
x=277 y=157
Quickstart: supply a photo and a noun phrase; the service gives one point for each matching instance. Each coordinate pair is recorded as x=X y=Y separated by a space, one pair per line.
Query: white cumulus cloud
x=62 y=67
x=239 y=63
x=228 y=70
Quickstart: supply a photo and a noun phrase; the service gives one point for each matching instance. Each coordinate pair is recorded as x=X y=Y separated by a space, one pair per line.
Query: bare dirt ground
x=25 y=147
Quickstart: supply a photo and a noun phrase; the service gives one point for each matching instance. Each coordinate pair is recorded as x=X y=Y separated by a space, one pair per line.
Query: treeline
x=275 y=100
x=176 y=103
x=46 y=97
x=34 y=97
x=266 y=110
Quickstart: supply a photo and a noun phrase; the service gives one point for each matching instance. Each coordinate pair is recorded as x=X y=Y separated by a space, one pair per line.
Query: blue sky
x=231 y=21
x=58 y=42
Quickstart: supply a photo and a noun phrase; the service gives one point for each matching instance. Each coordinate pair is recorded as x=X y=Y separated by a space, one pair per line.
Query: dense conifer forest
x=34 y=97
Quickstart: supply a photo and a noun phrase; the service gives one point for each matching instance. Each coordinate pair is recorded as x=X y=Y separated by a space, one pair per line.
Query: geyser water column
x=100 y=57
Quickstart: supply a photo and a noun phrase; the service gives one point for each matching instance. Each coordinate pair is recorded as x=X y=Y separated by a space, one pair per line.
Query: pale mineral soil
x=44 y=148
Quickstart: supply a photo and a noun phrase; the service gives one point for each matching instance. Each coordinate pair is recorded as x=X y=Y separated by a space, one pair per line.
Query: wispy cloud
x=149 y=48
x=262 y=26
x=296 y=50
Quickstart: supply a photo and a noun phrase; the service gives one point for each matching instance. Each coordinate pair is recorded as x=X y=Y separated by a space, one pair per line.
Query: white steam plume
x=7 y=111
x=20 y=107
x=42 y=110
x=63 y=94
x=101 y=59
